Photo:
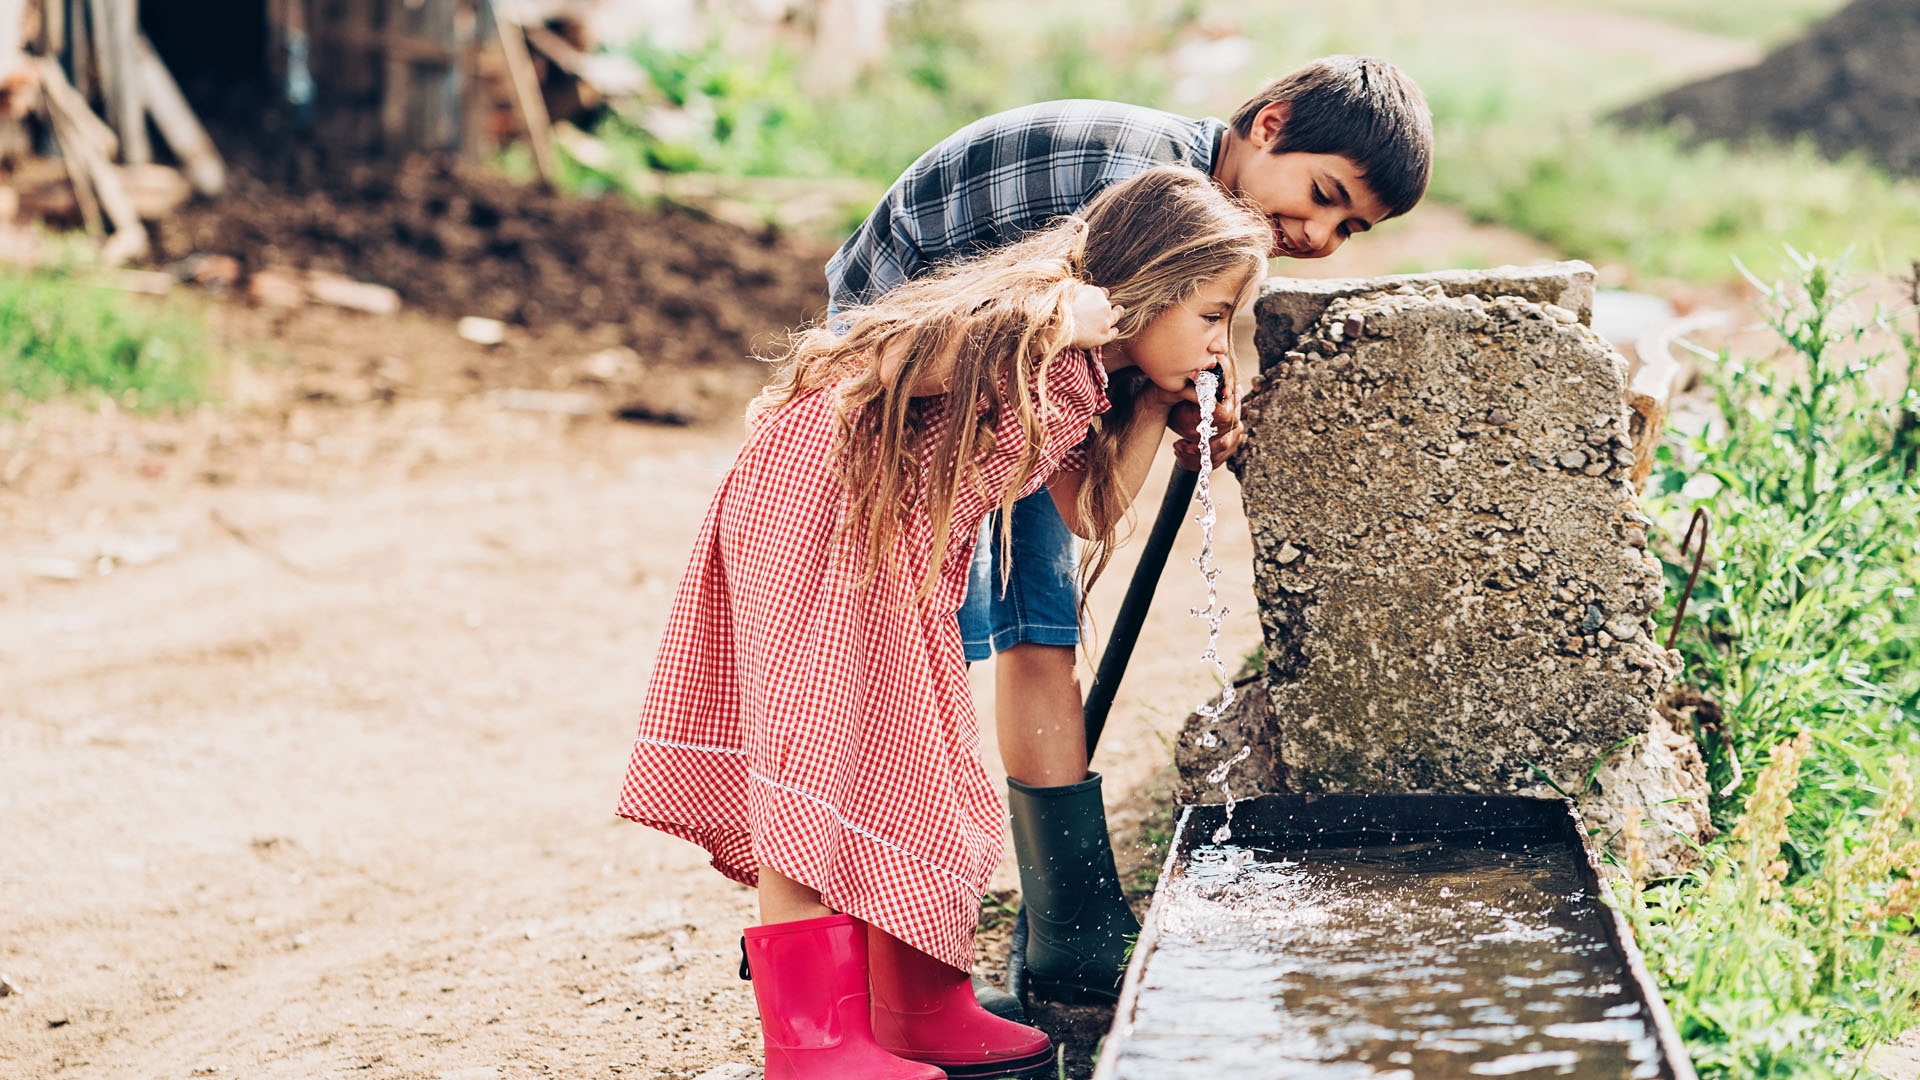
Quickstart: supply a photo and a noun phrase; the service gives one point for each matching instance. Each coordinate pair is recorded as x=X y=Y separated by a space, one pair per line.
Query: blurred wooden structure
x=378 y=77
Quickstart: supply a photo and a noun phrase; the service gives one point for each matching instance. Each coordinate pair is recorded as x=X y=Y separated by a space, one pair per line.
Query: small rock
x=1597 y=438
x=1561 y=314
x=1286 y=554
x=481 y=331
x=732 y=1070
x=620 y=361
x=1621 y=629
x=1623 y=457
x=1597 y=468
x=275 y=287
x=8 y=987
x=1637 y=537
x=344 y=292
x=1354 y=327
x=54 y=569
x=1595 y=616
x=215 y=272
x=138 y=550
x=1573 y=459
x=1499 y=418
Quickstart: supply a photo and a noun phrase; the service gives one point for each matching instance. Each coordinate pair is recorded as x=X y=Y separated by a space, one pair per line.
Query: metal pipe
x=1133 y=608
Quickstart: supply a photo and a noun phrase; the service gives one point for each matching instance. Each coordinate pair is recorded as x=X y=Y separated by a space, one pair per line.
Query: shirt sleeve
x=1077 y=392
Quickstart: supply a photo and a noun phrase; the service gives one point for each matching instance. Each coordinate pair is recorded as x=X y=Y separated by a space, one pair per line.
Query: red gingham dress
x=795 y=721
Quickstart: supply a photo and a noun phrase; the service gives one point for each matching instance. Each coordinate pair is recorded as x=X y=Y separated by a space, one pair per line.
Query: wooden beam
x=79 y=114
x=526 y=94
x=129 y=239
x=176 y=121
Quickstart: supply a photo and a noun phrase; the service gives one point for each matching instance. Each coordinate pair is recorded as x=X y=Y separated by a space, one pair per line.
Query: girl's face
x=1187 y=338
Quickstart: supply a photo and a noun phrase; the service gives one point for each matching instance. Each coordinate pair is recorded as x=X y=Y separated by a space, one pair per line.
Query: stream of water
x=1206 y=387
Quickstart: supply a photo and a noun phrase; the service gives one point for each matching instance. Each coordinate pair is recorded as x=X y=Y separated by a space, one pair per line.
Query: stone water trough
x=1455 y=601
x=1402 y=936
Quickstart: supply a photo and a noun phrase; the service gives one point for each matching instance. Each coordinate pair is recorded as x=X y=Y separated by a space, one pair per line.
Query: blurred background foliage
x=1520 y=91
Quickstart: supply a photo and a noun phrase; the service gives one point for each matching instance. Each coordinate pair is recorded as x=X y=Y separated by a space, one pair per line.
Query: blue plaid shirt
x=1000 y=177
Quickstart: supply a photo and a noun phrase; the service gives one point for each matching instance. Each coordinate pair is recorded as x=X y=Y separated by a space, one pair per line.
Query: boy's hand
x=1228 y=435
x=1095 y=318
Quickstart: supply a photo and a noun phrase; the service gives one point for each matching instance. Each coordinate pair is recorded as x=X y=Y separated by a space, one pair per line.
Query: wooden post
x=128 y=114
x=82 y=58
x=399 y=80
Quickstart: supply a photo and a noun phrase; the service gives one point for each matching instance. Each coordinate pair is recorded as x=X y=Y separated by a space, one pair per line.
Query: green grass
x=1669 y=211
x=60 y=336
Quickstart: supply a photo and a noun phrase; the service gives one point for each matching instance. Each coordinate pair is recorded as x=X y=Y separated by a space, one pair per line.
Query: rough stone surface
x=1453 y=591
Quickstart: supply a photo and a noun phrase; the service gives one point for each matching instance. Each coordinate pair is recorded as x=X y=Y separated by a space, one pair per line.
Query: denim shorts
x=1041 y=601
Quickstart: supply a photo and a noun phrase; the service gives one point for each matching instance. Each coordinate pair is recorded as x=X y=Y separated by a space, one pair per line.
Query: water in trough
x=1426 y=959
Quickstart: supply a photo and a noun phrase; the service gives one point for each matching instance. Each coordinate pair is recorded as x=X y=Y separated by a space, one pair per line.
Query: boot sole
x=1032 y=1067
x=1063 y=992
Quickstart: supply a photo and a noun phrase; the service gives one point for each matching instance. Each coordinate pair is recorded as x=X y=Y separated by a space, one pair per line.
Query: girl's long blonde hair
x=1152 y=241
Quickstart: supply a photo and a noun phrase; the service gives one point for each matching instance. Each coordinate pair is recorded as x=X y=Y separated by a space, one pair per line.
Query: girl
x=808 y=721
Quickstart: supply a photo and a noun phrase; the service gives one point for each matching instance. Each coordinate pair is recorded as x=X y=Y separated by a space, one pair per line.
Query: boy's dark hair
x=1362 y=109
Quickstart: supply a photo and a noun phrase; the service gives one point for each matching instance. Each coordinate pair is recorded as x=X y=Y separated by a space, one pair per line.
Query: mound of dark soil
x=456 y=240
x=1852 y=83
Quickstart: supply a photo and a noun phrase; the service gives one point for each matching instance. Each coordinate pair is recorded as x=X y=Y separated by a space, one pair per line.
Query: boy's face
x=1315 y=201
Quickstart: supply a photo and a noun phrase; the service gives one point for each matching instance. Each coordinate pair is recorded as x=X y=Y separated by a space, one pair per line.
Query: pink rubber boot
x=926 y=1011
x=810 y=981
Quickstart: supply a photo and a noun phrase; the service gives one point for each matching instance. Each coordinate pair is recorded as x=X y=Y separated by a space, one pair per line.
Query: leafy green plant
x=60 y=335
x=1792 y=947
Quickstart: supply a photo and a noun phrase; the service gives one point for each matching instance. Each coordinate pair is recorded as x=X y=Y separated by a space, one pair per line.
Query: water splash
x=1206 y=388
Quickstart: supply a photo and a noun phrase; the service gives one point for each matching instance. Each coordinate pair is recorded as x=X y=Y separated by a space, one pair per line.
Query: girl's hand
x=1095 y=318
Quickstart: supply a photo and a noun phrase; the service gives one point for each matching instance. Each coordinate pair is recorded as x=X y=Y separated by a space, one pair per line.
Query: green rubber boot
x=998 y=1001
x=1079 y=926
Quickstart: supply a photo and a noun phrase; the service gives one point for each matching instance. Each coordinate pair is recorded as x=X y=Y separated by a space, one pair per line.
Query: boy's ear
x=1268 y=123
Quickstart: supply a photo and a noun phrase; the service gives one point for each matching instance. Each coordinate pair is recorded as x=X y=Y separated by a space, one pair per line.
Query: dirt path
x=326 y=790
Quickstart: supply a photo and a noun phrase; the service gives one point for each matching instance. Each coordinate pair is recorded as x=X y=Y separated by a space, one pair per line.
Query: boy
x=1327 y=151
